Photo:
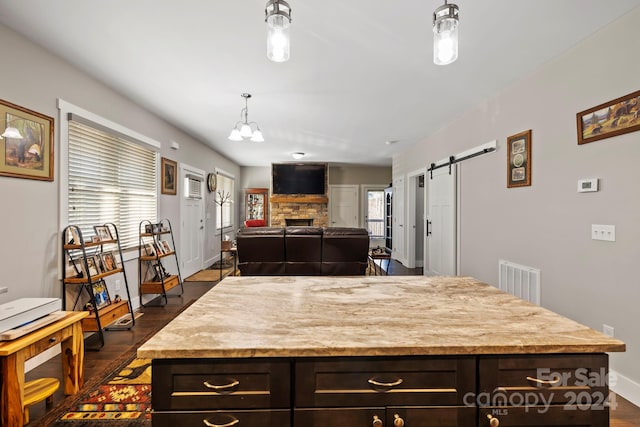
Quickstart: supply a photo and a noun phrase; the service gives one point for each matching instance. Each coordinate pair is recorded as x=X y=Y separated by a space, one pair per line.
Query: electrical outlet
x=608 y=330
x=117 y=285
x=4 y=290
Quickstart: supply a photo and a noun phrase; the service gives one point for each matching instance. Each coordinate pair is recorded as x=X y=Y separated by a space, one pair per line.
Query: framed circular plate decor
x=211 y=182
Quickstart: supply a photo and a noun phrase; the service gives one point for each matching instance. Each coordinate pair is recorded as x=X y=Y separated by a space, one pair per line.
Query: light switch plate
x=603 y=232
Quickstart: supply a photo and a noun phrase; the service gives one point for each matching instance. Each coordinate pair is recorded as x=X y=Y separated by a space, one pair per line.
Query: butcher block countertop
x=366 y=316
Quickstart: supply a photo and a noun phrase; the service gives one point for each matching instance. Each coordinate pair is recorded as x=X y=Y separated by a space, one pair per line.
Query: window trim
x=65 y=108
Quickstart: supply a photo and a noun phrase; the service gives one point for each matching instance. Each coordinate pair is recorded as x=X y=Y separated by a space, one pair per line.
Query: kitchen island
x=375 y=351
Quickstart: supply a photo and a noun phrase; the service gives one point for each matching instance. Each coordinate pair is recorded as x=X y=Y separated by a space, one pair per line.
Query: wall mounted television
x=298 y=178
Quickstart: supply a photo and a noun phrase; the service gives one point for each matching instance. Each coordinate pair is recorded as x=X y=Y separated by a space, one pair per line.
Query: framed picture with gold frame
x=519 y=159
x=26 y=146
x=168 y=172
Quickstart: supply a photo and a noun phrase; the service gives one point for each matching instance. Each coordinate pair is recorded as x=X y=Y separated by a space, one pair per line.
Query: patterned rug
x=125 y=395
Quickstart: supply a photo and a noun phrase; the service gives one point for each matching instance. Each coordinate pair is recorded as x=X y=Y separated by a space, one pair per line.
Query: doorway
x=373 y=213
x=192 y=220
x=343 y=205
x=416 y=218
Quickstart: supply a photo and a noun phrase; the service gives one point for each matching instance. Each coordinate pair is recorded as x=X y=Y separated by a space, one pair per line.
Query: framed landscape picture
x=168 y=172
x=26 y=147
x=519 y=159
x=617 y=117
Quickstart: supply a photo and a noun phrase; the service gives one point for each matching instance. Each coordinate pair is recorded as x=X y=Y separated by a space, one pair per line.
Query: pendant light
x=243 y=129
x=445 y=34
x=278 y=19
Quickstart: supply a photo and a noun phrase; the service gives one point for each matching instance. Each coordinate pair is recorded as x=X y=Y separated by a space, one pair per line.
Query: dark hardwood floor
x=624 y=414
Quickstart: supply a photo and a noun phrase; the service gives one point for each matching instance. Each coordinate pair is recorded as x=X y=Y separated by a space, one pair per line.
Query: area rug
x=125 y=396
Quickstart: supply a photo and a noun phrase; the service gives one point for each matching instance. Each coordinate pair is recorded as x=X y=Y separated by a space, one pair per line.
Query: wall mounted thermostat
x=587 y=185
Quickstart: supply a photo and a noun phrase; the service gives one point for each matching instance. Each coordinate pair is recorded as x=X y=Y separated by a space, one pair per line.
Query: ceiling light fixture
x=278 y=18
x=445 y=34
x=297 y=155
x=243 y=130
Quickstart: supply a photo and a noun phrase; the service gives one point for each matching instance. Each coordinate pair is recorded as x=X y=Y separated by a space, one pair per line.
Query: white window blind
x=111 y=180
x=193 y=186
x=224 y=213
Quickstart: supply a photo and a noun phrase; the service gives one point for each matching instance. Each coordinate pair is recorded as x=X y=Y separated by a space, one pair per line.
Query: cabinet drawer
x=539 y=380
x=257 y=418
x=413 y=416
x=206 y=384
x=553 y=416
x=339 y=382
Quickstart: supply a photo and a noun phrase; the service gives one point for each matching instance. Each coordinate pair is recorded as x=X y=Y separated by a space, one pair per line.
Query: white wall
x=548 y=224
x=29 y=215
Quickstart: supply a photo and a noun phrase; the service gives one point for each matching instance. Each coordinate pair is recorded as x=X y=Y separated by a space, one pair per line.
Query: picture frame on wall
x=616 y=117
x=168 y=180
x=27 y=151
x=519 y=159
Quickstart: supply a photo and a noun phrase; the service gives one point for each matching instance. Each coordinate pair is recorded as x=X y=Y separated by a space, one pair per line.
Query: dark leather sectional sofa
x=302 y=251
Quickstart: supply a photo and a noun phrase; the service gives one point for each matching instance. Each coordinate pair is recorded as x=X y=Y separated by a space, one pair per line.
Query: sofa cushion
x=344 y=251
x=303 y=250
x=261 y=251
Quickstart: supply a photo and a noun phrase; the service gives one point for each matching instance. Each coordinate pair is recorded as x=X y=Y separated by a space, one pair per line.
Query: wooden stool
x=38 y=390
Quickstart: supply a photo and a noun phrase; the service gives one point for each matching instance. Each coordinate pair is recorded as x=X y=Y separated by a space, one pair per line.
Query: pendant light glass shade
x=235 y=135
x=445 y=34
x=245 y=131
x=257 y=136
x=278 y=19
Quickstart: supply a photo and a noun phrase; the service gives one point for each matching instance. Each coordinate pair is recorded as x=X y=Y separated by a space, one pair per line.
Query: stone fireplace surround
x=300 y=207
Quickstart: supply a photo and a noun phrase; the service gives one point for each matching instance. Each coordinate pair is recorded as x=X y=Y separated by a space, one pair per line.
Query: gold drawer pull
x=397 y=421
x=377 y=422
x=493 y=422
x=379 y=384
x=541 y=383
x=229 y=424
x=221 y=387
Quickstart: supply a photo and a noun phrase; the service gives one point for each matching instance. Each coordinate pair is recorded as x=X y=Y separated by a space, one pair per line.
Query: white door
x=192 y=215
x=441 y=223
x=343 y=206
x=399 y=233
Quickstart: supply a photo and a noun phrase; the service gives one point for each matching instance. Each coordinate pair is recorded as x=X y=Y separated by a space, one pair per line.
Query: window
x=224 y=201
x=375 y=213
x=111 y=179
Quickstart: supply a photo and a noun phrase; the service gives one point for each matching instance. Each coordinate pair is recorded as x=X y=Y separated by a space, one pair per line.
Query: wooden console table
x=66 y=331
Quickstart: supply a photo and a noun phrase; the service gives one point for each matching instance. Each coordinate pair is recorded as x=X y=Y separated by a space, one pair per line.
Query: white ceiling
x=360 y=73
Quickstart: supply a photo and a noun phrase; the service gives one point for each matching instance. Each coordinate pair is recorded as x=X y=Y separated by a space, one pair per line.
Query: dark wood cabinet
x=388 y=219
x=554 y=416
x=414 y=416
x=416 y=391
x=384 y=381
x=255 y=418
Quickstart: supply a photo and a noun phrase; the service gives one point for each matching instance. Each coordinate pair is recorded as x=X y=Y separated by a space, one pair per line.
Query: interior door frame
x=412 y=181
x=191 y=170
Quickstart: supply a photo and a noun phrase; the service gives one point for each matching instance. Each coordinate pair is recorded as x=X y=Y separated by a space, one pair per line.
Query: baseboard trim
x=625 y=387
